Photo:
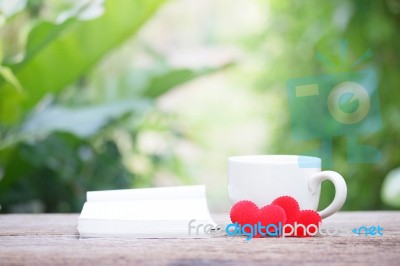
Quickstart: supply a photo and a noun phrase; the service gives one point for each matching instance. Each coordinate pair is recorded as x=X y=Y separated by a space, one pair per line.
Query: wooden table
x=52 y=239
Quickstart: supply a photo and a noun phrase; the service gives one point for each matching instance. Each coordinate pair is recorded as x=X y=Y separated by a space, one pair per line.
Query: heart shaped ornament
x=247 y=212
x=282 y=211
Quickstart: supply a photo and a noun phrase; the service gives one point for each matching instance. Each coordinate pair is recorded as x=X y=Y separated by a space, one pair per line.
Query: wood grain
x=52 y=239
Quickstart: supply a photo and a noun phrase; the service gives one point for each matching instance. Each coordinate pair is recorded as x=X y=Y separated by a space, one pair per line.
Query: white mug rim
x=273 y=159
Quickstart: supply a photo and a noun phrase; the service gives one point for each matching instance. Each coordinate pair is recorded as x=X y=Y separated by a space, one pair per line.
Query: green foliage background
x=60 y=139
x=68 y=125
x=287 y=47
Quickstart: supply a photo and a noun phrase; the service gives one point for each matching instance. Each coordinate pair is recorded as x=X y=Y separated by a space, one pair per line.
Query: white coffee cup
x=263 y=178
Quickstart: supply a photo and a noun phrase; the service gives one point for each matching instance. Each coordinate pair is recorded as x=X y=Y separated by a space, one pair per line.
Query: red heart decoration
x=292 y=210
x=244 y=212
x=247 y=212
x=307 y=218
x=272 y=214
x=291 y=207
x=284 y=209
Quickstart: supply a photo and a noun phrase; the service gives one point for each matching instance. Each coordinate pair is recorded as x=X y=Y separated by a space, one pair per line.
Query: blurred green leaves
x=58 y=54
x=82 y=122
x=8 y=76
x=390 y=191
x=66 y=128
x=294 y=34
x=162 y=83
x=55 y=173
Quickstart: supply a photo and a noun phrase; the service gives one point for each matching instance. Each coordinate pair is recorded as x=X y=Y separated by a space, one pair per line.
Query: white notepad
x=145 y=213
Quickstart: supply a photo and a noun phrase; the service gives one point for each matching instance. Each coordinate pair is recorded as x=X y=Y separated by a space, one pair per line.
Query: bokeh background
x=122 y=94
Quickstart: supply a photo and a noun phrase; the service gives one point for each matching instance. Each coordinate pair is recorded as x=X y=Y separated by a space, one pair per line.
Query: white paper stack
x=145 y=213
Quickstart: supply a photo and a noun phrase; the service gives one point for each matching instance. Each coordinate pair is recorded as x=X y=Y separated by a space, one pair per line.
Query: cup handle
x=340 y=190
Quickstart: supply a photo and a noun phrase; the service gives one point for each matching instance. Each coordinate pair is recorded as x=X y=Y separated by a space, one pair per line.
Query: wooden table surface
x=52 y=239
